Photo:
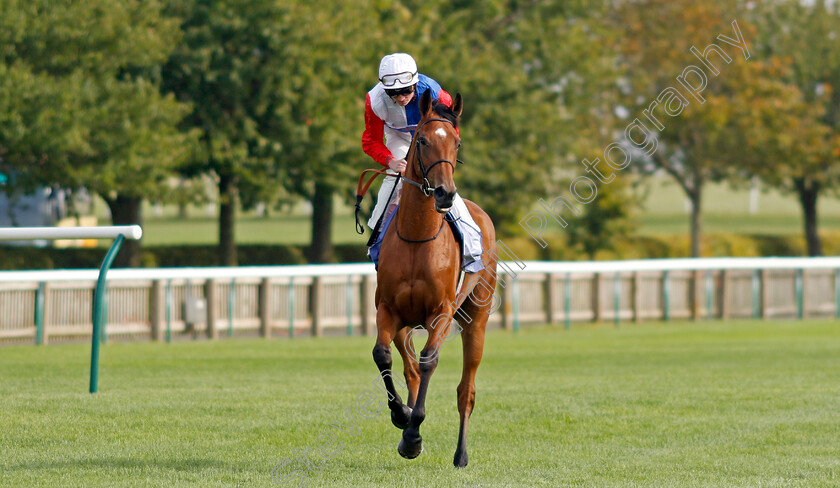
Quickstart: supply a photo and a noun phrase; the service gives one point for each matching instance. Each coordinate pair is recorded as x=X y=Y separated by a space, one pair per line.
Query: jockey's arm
x=373 y=136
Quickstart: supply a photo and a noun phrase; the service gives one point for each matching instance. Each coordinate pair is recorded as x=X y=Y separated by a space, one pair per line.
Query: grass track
x=736 y=404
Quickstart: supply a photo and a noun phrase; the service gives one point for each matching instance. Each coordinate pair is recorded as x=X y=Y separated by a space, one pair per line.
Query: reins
x=361 y=190
x=425 y=187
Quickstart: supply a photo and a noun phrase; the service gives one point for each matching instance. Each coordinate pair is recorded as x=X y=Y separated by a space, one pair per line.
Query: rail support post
x=157 y=306
x=210 y=297
x=315 y=306
x=41 y=313
x=265 y=308
x=596 y=297
x=98 y=300
x=548 y=291
x=636 y=292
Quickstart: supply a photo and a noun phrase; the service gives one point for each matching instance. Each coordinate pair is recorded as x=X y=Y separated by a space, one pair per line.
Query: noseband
x=426 y=186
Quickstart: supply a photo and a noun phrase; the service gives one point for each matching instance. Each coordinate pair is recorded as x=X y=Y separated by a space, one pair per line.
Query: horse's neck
x=417 y=218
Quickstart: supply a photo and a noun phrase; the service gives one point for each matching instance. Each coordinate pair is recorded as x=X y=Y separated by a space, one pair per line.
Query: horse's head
x=436 y=149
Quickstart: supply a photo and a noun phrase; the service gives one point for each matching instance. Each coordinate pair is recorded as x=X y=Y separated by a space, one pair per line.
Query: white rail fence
x=314 y=300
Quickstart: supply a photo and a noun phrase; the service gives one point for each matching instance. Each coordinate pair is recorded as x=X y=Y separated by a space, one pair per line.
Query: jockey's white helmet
x=398 y=70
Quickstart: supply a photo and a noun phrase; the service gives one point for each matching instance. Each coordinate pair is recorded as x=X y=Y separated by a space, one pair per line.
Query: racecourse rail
x=97 y=304
x=290 y=301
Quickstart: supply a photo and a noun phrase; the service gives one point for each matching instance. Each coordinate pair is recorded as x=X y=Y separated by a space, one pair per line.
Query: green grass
x=727 y=210
x=737 y=404
x=250 y=229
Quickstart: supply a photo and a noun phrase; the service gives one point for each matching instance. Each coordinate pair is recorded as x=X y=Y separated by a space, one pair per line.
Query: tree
x=81 y=102
x=693 y=126
x=534 y=78
x=225 y=67
x=326 y=76
x=807 y=40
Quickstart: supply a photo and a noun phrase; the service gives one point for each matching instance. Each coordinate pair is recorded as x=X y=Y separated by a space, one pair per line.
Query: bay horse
x=419 y=267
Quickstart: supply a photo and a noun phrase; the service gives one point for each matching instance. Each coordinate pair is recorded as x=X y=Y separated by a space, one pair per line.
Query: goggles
x=399 y=91
x=404 y=77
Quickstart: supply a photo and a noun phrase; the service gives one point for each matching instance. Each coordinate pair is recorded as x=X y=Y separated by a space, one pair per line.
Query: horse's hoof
x=461 y=460
x=401 y=419
x=410 y=451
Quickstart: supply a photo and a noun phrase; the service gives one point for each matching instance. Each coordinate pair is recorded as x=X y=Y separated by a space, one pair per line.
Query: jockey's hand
x=397 y=165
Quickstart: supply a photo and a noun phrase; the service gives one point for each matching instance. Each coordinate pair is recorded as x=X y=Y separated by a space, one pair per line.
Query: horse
x=419 y=269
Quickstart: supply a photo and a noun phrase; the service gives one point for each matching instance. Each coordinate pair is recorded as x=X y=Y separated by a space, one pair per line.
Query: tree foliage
x=80 y=101
x=267 y=98
x=697 y=123
x=799 y=137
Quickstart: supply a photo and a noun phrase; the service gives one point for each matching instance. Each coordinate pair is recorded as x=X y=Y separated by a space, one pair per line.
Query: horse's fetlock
x=418 y=415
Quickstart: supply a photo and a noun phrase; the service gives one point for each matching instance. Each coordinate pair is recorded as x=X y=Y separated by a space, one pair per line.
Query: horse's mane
x=445 y=112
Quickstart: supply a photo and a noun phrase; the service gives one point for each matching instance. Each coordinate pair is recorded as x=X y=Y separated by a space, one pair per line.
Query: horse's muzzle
x=443 y=199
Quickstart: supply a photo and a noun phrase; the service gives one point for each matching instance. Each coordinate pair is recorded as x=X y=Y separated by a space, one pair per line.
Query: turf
x=735 y=404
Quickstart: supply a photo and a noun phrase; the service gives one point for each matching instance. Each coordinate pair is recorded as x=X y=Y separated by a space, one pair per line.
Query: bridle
x=426 y=186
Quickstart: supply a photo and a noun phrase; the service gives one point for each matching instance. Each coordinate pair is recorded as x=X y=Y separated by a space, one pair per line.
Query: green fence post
x=567 y=300
x=798 y=288
x=101 y=285
x=291 y=307
x=617 y=296
x=40 y=302
x=755 y=295
x=231 y=303
x=666 y=296
x=104 y=315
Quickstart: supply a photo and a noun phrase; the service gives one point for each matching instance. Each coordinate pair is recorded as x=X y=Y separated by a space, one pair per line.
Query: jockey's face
x=402 y=100
x=401 y=96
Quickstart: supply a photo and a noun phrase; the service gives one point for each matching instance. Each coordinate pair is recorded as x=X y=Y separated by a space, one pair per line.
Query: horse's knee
x=382 y=356
x=428 y=361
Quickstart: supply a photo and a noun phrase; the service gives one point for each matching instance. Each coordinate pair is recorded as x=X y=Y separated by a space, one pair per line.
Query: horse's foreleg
x=411 y=444
x=386 y=326
x=410 y=365
x=473 y=341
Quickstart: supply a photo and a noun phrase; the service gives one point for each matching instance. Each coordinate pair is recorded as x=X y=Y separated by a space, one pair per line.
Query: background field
x=664 y=212
x=709 y=404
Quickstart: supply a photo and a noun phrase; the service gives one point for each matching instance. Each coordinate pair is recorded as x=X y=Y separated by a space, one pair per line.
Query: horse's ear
x=458 y=105
x=425 y=103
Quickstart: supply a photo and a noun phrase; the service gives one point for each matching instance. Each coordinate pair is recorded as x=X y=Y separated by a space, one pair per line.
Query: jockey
x=392 y=110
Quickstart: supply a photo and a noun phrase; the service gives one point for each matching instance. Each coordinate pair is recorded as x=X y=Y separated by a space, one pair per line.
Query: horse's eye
x=423 y=141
